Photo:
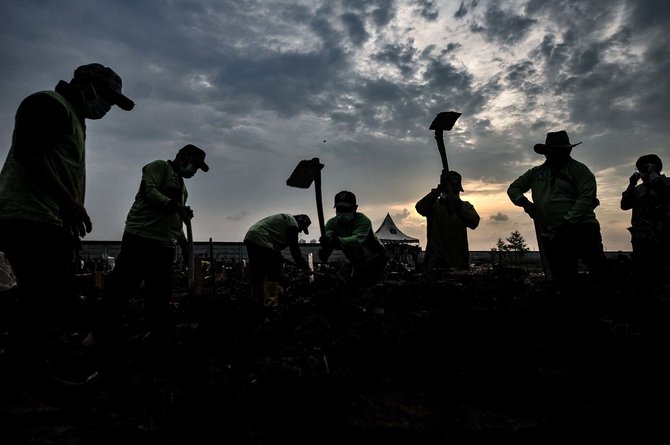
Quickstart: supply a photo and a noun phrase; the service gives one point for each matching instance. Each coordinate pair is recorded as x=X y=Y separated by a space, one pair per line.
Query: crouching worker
x=351 y=232
x=265 y=240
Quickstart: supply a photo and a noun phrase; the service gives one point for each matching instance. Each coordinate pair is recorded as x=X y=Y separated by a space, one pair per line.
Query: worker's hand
x=634 y=178
x=529 y=208
x=188 y=213
x=328 y=242
x=185 y=212
x=76 y=219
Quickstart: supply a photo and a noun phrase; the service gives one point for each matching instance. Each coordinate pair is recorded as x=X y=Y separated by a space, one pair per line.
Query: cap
x=100 y=75
x=345 y=198
x=304 y=222
x=198 y=156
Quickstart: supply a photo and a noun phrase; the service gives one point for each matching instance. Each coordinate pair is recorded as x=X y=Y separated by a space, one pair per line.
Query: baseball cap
x=102 y=76
x=345 y=198
x=198 y=156
x=304 y=221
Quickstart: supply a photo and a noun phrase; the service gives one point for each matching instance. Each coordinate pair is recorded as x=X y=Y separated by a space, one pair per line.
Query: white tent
x=389 y=233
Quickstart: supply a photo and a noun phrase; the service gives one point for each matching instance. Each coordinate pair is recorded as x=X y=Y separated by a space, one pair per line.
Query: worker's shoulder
x=43 y=102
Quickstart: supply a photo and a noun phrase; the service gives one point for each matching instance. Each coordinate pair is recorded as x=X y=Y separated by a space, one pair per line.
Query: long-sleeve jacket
x=650 y=221
x=46 y=123
x=356 y=238
x=150 y=216
x=568 y=194
x=277 y=232
x=447 y=229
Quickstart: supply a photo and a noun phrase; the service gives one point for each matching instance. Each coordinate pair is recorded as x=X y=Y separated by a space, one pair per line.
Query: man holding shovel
x=153 y=228
x=448 y=219
x=564 y=199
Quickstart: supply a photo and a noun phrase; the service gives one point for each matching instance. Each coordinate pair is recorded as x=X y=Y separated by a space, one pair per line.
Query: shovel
x=303 y=175
x=443 y=121
x=191 y=259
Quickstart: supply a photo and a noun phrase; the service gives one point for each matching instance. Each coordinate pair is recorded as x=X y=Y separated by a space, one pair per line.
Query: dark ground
x=485 y=356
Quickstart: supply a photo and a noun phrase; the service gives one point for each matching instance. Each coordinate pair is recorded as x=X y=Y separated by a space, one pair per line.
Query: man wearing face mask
x=42 y=187
x=564 y=199
x=650 y=221
x=351 y=232
x=153 y=228
x=448 y=219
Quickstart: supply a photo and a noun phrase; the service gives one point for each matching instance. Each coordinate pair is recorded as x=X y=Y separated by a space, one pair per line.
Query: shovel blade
x=444 y=120
x=305 y=173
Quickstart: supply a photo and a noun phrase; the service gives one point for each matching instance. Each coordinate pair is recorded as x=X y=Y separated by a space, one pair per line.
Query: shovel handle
x=319 y=204
x=439 y=138
x=191 y=259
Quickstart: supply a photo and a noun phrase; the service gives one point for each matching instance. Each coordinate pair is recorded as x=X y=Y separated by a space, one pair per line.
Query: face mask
x=187 y=171
x=94 y=108
x=345 y=217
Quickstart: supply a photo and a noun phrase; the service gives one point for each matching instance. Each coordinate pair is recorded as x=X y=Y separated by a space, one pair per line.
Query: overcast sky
x=263 y=84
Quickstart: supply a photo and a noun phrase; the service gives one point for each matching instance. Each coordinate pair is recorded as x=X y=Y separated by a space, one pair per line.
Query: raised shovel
x=444 y=121
x=303 y=175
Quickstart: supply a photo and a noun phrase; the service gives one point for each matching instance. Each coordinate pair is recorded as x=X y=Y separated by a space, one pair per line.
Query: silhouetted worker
x=153 y=229
x=351 y=232
x=448 y=219
x=42 y=210
x=265 y=240
x=650 y=221
x=564 y=197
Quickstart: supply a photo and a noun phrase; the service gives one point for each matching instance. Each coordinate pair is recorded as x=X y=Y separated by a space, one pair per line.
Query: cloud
x=499 y=217
x=239 y=216
x=503 y=26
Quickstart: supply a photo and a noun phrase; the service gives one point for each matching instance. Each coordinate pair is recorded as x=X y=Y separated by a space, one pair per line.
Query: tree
x=515 y=243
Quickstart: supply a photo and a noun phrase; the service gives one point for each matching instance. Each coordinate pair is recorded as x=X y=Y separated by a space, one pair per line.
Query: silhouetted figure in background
x=153 y=228
x=650 y=221
x=351 y=232
x=564 y=198
x=42 y=202
x=265 y=240
x=448 y=219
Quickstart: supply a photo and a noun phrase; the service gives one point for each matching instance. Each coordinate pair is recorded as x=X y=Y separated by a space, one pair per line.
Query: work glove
x=529 y=207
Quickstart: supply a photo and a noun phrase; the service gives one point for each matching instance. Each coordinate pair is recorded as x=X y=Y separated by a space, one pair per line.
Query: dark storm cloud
x=355 y=28
x=503 y=26
x=399 y=55
x=383 y=12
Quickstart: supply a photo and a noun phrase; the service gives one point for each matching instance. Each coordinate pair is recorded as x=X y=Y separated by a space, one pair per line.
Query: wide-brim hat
x=102 y=76
x=556 y=139
x=197 y=154
x=649 y=159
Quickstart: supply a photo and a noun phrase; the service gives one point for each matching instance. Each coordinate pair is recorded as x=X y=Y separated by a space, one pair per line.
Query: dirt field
x=489 y=355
